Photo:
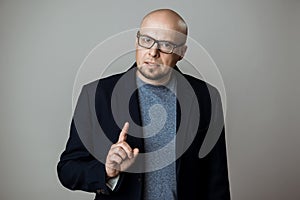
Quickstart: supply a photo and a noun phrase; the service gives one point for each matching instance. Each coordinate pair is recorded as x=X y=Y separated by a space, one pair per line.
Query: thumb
x=135 y=152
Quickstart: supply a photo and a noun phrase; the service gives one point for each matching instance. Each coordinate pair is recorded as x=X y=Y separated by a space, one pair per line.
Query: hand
x=120 y=156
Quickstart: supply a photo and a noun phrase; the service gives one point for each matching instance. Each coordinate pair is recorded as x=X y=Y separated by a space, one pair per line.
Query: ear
x=181 y=52
x=136 y=43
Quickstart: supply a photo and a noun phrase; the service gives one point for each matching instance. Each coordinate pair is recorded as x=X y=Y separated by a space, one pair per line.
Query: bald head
x=165 y=19
x=160 y=44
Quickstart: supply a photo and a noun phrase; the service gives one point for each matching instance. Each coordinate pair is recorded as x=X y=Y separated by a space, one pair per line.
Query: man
x=166 y=117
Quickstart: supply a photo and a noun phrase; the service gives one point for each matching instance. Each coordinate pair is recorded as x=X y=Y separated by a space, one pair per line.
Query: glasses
x=163 y=46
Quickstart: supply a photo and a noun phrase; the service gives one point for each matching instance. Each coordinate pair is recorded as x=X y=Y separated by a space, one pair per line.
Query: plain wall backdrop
x=255 y=44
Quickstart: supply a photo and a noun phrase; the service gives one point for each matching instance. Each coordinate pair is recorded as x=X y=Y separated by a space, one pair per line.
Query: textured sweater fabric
x=158 y=112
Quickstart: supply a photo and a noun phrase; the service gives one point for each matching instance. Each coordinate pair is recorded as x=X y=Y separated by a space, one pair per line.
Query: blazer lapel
x=127 y=105
x=186 y=117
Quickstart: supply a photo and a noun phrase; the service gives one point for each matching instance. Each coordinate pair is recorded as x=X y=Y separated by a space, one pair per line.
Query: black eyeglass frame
x=138 y=35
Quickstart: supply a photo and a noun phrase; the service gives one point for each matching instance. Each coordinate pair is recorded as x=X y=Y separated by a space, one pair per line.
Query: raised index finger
x=123 y=134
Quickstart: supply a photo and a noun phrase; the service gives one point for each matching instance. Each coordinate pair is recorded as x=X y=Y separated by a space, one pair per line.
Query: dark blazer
x=204 y=178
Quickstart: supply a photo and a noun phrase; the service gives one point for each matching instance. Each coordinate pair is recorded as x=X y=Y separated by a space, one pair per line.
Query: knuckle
x=117 y=159
x=118 y=149
x=115 y=149
x=121 y=143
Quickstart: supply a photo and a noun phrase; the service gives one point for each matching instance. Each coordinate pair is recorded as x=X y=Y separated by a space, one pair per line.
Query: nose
x=154 y=51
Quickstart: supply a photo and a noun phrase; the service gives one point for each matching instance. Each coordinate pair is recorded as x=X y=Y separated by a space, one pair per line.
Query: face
x=153 y=65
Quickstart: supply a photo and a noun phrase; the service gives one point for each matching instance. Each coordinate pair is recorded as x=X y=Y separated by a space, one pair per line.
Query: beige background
x=255 y=44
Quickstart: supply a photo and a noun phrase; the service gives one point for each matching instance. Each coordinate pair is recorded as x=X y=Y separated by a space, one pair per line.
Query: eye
x=166 y=45
x=146 y=39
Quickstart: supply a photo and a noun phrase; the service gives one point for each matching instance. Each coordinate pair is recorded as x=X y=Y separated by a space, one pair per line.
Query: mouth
x=151 y=64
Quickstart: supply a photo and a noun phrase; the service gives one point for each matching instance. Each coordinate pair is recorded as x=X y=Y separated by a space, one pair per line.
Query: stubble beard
x=151 y=75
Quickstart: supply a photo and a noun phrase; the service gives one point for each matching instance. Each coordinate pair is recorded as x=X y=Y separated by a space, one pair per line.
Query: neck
x=162 y=81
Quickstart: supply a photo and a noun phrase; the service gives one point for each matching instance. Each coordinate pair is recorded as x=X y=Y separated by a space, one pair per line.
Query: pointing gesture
x=120 y=156
x=123 y=134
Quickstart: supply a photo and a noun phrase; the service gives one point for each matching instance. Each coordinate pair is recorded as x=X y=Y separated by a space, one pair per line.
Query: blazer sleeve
x=216 y=161
x=77 y=168
x=217 y=171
